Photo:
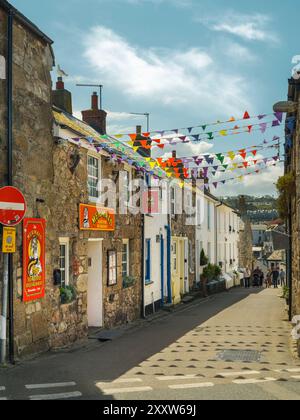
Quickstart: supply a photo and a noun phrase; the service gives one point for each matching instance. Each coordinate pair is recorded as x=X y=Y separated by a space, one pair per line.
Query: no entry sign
x=12 y=206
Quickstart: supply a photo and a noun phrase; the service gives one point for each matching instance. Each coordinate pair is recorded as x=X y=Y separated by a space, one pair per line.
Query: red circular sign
x=12 y=206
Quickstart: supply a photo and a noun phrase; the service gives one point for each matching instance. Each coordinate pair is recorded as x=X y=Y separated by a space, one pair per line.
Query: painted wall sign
x=34 y=276
x=92 y=217
x=9 y=240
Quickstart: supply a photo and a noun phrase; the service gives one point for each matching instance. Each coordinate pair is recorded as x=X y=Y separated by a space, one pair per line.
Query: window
x=209 y=251
x=93 y=177
x=173 y=201
x=148 y=261
x=111 y=268
x=64 y=261
x=127 y=192
x=208 y=216
x=174 y=256
x=125 y=259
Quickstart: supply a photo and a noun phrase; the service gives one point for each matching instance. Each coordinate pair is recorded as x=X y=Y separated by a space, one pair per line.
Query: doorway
x=95 y=289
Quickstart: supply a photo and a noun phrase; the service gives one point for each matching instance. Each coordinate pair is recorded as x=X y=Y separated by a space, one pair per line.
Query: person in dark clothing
x=275 y=277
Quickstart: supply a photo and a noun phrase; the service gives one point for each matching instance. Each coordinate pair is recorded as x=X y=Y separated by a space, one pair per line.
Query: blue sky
x=185 y=61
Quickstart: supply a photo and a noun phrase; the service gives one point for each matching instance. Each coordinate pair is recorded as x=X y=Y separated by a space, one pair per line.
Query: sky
x=186 y=62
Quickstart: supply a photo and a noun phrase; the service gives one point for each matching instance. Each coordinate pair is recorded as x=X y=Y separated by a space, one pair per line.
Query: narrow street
x=176 y=357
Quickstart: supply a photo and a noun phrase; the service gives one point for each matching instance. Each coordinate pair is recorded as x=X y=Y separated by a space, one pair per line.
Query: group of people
x=256 y=278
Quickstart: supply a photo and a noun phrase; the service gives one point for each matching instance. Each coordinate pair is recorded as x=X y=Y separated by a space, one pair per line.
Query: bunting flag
x=220 y=157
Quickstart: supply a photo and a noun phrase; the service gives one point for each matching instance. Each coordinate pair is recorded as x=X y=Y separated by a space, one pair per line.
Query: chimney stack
x=61 y=97
x=95 y=117
x=145 y=152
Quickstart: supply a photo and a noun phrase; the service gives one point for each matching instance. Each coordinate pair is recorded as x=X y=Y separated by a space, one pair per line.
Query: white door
x=198 y=261
x=94 y=298
x=186 y=266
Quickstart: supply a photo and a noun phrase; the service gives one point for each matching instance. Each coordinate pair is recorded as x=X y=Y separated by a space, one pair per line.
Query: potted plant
x=203 y=259
x=67 y=294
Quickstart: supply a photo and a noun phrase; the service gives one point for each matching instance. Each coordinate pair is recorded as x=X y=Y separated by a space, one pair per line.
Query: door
x=94 y=298
x=198 y=261
x=186 y=266
x=176 y=297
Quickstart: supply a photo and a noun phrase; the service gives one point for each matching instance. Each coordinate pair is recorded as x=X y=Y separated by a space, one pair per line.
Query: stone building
x=245 y=237
x=292 y=192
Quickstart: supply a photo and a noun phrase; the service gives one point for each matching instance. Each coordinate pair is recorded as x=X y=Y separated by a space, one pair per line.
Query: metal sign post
x=3 y=316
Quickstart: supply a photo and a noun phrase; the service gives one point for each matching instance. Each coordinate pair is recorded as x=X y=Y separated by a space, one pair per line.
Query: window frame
x=112 y=281
x=93 y=199
x=65 y=242
x=126 y=244
x=147 y=261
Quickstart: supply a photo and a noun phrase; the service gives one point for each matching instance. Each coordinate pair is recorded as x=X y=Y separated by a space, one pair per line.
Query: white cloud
x=170 y=77
x=248 y=27
x=257 y=184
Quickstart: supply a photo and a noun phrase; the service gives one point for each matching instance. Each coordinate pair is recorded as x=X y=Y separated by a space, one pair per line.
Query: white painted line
x=175 y=378
x=2 y=388
x=253 y=381
x=189 y=386
x=3 y=399
x=120 y=381
x=126 y=390
x=294 y=370
x=295 y=377
x=11 y=206
x=244 y=373
x=46 y=386
x=63 y=396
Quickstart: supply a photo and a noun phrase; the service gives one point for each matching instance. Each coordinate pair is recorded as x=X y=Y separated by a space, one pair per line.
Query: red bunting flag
x=244 y=155
x=246 y=116
x=161 y=146
x=254 y=152
x=250 y=128
x=245 y=164
x=146 y=134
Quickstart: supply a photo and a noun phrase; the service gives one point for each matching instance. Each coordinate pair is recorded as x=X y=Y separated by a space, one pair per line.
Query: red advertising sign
x=92 y=217
x=12 y=206
x=34 y=276
x=151 y=201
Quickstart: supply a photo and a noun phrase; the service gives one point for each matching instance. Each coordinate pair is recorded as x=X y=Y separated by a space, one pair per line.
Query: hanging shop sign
x=34 y=235
x=92 y=217
x=9 y=240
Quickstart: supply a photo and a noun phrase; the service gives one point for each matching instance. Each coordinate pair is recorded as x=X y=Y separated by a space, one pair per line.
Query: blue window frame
x=148 y=261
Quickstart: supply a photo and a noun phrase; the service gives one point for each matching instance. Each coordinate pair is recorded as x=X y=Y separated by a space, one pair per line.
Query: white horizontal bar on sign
x=63 y=396
x=12 y=206
x=45 y=386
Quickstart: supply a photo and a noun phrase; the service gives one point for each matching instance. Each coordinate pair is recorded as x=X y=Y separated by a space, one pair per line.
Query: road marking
x=295 y=377
x=244 y=373
x=175 y=378
x=189 y=386
x=120 y=381
x=2 y=388
x=45 y=386
x=62 y=396
x=294 y=370
x=112 y=391
x=253 y=381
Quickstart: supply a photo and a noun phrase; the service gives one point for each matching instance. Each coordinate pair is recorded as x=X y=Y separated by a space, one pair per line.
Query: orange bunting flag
x=146 y=134
x=246 y=116
x=145 y=144
x=231 y=119
x=133 y=136
x=161 y=146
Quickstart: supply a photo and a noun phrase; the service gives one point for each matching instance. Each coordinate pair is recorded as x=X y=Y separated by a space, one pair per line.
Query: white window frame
x=126 y=243
x=208 y=216
x=98 y=178
x=66 y=243
x=173 y=201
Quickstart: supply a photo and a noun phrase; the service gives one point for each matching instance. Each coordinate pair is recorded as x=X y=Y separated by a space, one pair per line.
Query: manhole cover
x=240 y=355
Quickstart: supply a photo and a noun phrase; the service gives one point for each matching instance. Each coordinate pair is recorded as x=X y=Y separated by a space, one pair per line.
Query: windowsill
x=149 y=283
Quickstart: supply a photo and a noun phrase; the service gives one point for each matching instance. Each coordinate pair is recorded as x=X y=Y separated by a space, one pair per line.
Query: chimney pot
x=174 y=154
x=60 y=84
x=139 y=130
x=95 y=106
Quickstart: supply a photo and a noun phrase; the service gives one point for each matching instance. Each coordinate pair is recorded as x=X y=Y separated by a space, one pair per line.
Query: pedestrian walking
x=282 y=278
x=256 y=277
x=269 y=279
x=247 y=278
x=275 y=277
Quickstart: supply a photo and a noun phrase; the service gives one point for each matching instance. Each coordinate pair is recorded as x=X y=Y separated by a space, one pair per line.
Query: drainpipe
x=143 y=266
x=10 y=172
x=168 y=229
x=162 y=269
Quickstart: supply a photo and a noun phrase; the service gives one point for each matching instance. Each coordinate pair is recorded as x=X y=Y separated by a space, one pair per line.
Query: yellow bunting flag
x=231 y=155
x=153 y=164
x=118 y=136
x=136 y=148
x=223 y=132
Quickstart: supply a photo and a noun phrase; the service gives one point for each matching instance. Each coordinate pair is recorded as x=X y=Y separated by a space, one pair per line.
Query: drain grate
x=240 y=355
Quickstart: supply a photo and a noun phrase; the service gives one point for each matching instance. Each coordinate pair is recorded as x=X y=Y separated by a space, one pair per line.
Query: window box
x=128 y=282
